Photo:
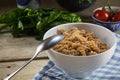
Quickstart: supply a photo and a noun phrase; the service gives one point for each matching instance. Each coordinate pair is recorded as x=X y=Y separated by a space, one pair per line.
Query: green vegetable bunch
x=35 y=22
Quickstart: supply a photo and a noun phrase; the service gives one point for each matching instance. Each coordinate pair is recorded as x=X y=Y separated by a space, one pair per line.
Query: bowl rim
x=88 y=55
x=104 y=21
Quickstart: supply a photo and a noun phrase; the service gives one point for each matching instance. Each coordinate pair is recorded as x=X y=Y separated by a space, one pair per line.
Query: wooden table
x=15 y=51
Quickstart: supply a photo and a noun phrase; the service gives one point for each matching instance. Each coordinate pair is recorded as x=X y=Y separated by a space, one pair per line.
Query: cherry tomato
x=102 y=15
x=116 y=17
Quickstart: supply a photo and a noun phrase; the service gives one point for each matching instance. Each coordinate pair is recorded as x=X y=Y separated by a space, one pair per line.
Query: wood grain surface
x=27 y=73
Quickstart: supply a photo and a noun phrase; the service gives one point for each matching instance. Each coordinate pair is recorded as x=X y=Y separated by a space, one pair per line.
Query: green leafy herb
x=35 y=22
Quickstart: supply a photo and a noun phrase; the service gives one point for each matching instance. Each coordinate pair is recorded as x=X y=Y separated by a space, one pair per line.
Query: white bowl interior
x=104 y=34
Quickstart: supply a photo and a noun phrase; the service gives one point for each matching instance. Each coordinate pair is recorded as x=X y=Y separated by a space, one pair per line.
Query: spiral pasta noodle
x=79 y=43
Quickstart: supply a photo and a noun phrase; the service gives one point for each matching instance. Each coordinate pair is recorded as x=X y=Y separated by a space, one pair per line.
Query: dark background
x=6 y=5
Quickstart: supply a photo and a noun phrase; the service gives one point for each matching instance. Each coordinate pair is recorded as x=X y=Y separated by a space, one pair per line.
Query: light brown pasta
x=80 y=43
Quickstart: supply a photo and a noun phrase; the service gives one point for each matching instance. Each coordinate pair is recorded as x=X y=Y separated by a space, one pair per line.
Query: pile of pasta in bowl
x=80 y=43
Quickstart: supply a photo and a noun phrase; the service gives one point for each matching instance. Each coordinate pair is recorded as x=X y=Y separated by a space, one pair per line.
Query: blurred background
x=6 y=5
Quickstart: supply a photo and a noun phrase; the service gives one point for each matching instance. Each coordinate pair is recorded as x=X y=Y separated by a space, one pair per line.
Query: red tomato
x=102 y=15
x=116 y=17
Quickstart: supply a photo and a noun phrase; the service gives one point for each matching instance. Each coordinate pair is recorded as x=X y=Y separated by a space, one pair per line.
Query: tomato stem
x=108 y=4
x=103 y=8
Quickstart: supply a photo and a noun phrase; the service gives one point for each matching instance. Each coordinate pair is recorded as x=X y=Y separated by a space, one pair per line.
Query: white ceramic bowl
x=82 y=66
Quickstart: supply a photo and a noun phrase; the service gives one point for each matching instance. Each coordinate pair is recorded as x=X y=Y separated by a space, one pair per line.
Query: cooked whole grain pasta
x=79 y=43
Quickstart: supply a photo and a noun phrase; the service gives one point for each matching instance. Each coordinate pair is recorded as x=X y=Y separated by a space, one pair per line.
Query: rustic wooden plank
x=27 y=73
x=17 y=48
